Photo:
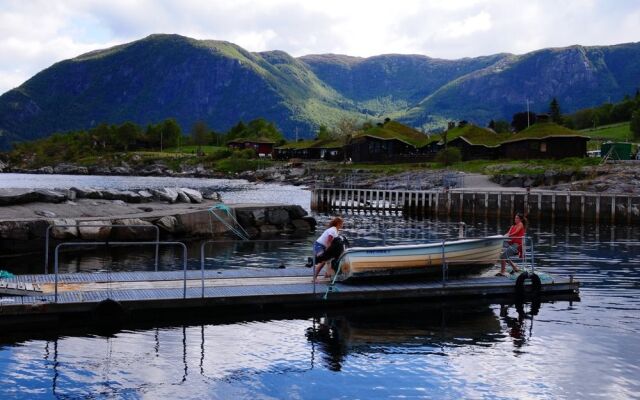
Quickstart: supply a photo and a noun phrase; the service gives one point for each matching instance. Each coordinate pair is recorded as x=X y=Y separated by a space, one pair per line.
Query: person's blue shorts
x=318 y=249
x=509 y=250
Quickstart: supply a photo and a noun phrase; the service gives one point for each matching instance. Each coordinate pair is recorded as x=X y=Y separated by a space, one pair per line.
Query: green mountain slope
x=165 y=76
x=391 y=82
x=577 y=76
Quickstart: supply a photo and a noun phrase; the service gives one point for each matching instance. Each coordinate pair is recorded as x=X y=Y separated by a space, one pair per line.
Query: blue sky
x=35 y=33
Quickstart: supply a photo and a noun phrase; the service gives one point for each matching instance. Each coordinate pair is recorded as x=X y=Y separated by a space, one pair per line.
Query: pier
x=553 y=206
x=100 y=297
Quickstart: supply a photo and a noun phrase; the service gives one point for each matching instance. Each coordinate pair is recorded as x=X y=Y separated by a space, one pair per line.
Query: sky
x=34 y=34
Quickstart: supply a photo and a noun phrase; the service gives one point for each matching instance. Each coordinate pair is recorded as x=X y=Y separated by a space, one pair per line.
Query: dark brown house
x=318 y=150
x=372 y=148
x=474 y=151
x=262 y=146
x=545 y=147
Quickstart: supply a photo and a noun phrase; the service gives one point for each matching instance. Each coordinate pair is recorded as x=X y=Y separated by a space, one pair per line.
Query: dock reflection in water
x=198 y=355
x=418 y=329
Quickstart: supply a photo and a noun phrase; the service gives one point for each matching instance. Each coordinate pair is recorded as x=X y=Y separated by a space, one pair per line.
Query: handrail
x=68 y=244
x=205 y=243
x=50 y=227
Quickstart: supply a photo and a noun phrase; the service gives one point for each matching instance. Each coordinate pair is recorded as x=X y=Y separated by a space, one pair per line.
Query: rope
x=235 y=228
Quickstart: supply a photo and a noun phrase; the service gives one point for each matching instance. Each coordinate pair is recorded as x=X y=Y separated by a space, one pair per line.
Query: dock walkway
x=81 y=294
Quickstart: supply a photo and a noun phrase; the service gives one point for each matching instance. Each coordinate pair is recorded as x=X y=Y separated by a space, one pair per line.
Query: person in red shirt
x=513 y=246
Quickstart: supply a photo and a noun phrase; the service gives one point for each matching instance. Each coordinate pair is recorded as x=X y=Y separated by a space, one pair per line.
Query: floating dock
x=99 y=297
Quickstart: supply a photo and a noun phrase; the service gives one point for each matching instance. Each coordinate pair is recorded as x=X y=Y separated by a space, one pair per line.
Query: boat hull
x=465 y=255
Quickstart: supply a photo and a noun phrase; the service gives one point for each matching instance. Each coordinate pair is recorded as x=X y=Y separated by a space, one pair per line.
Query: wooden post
x=486 y=205
x=613 y=209
x=513 y=205
x=597 y=210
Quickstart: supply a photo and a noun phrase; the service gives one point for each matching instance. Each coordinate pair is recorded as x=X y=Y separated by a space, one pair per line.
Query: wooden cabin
x=545 y=147
x=365 y=148
x=474 y=151
x=262 y=146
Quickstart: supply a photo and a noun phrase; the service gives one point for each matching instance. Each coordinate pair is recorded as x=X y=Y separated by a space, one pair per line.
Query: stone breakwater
x=27 y=215
x=170 y=195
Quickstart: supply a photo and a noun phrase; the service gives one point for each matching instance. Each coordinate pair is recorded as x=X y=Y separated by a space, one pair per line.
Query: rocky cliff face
x=170 y=76
x=577 y=76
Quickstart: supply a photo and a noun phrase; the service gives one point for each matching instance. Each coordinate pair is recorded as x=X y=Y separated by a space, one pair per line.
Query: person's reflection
x=326 y=332
x=517 y=326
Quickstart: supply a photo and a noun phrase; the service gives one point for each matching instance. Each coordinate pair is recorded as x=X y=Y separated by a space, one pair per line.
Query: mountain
x=391 y=82
x=171 y=76
x=577 y=76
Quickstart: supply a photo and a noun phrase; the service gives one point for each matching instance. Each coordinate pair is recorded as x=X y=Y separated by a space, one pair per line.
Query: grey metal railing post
x=55 y=269
x=184 y=266
x=50 y=227
x=444 y=264
x=532 y=256
x=69 y=244
x=202 y=266
x=313 y=268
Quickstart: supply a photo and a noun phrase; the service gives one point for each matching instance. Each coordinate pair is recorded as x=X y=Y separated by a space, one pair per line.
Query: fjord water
x=567 y=349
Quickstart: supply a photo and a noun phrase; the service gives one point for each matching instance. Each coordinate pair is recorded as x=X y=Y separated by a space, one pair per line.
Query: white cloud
x=476 y=23
x=35 y=34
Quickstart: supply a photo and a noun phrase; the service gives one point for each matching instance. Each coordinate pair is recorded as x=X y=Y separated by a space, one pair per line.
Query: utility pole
x=161 y=134
x=296 y=134
x=528 y=113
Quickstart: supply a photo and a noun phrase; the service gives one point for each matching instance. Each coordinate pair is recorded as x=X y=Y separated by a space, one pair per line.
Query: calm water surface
x=583 y=349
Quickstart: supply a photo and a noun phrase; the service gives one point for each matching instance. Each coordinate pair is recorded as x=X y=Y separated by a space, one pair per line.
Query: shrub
x=448 y=156
x=244 y=154
x=218 y=154
x=238 y=165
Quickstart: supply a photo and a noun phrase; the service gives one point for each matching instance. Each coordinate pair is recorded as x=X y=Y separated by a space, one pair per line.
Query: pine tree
x=554 y=111
x=634 y=126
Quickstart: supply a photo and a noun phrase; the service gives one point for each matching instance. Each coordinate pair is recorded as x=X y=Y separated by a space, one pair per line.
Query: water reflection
x=409 y=329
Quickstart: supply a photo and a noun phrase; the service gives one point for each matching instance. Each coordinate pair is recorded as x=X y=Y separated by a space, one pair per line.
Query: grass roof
x=303 y=144
x=396 y=130
x=252 y=140
x=477 y=135
x=311 y=144
x=544 y=130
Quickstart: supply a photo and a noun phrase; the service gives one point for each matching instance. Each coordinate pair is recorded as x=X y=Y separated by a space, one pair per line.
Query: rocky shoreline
x=621 y=177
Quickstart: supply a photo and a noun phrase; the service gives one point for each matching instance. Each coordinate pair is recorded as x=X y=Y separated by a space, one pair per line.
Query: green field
x=615 y=132
x=193 y=149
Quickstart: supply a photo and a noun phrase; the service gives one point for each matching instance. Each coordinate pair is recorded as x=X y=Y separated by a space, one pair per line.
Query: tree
x=554 y=111
x=127 y=134
x=448 y=156
x=261 y=128
x=492 y=125
x=635 y=124
x=104 y=135
x=501 y=126
x=324 y=133
x=346 y=127
x=170 y=133
x=523 y=120
x=236 y=131
x=200 y=134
